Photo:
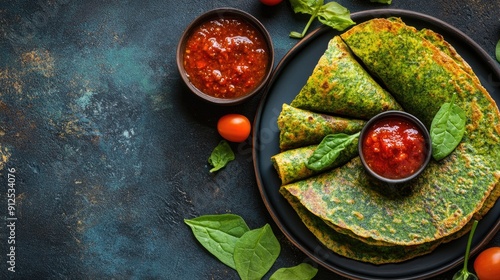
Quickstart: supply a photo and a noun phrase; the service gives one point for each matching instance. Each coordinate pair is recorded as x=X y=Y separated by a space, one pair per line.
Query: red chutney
x=226 y=58
x=394 y=148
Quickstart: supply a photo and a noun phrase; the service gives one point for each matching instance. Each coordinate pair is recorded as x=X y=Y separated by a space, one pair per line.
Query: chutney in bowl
x=225 y=56
x=394 y=147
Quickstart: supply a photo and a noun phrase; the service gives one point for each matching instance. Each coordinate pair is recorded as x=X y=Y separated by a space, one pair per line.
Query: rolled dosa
x=291 y=165
x=300 y=128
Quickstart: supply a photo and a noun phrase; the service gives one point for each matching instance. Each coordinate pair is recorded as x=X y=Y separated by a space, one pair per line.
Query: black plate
x=289 y=77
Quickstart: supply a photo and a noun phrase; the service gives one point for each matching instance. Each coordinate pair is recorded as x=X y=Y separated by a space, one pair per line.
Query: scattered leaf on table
x=255 y=253
x=221 y=155
x=303 y=271
x=219 y=234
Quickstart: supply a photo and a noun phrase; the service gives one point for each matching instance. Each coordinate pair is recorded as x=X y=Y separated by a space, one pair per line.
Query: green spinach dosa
x=291 y=165
x=418 y=73
x=443 y=200
x=448 y=194
x=299 y=128
x=356 y=249
x=341 y=86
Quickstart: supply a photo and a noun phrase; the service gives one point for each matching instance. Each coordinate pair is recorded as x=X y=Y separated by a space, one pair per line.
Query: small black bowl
x=401 y=116
x=225 y=13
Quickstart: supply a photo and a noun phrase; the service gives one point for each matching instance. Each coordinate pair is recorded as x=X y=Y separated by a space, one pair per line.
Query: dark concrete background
x=109 y=148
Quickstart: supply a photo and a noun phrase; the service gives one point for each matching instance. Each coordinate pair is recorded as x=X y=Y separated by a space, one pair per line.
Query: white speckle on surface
x=84 y=100
x=128 y=133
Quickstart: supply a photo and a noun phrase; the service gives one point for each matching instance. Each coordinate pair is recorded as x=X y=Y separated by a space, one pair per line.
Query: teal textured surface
x=110 y=149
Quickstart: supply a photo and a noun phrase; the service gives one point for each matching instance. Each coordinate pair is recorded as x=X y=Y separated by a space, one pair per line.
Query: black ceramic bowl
x=395 y=117
x=218 y=15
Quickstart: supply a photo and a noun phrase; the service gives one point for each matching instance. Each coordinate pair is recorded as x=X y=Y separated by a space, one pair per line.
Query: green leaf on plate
x=219 y=234
x=329 y=149
x=447 y=129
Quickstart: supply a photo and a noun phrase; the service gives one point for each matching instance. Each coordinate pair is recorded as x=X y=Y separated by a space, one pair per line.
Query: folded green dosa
x=339 y=85
x=299 y=128
x=353 y=248
x=417 y=72
x=358 y=250
x=443 y=200
x=437 y=40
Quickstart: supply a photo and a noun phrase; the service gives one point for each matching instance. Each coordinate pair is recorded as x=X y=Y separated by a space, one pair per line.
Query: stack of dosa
x=421 y=71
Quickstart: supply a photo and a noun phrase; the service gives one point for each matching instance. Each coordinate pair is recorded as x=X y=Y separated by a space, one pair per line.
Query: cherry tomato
x=271 y=2
x=234 y=127
x=487 y=264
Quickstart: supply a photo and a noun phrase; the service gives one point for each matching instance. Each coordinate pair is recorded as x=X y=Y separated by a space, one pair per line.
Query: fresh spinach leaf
x=221 y=155
x=331 y=14
x=447 y=129
x=306 y=6
x=303 y=271
x=382 y=1
x=219 y=234
x=255 y=253
x=497 y=51
x=329 y=149
x=335 y=15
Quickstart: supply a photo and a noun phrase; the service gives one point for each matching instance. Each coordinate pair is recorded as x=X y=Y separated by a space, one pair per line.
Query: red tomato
x=271 y=2
x=234 y=127
x=487 y=264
